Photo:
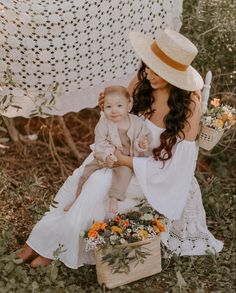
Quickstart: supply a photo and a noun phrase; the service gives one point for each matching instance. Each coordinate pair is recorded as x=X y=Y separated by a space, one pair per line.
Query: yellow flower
x=219 y=123
x=116 y=229
x=142 y=234
x=92 y=234
x=231 y=118
x=215 y=102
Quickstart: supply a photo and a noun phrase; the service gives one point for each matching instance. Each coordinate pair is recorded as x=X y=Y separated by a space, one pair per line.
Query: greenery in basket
x=113 y=235
x=219 y=116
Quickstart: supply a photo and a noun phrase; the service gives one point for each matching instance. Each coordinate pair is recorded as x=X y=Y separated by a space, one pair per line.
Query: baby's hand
x=144 y=143
x=110 y=160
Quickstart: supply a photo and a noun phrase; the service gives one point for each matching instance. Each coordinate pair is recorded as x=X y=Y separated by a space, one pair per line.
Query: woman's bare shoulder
x=191 y=129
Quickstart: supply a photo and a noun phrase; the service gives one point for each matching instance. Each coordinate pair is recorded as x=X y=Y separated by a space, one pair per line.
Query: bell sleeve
x=103 y=146
x=166 y=186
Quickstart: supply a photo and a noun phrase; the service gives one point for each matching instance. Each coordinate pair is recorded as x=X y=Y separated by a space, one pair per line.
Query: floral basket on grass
x=214 y=122
x=127 y=247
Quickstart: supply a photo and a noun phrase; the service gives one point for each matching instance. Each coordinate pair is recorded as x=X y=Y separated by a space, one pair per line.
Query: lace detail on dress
x=189 y=235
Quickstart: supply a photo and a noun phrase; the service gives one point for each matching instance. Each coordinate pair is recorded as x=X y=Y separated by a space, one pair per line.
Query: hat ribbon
x=166 y=59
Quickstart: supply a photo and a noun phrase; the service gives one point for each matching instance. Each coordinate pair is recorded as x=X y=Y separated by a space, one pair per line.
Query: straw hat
x=169 y=56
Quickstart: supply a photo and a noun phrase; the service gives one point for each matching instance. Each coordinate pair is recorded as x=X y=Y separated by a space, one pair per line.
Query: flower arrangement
x=116 y=234
x=219 y=116
x=215 y=121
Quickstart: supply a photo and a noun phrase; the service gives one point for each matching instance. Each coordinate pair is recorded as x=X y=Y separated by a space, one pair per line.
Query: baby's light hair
x=116 y=89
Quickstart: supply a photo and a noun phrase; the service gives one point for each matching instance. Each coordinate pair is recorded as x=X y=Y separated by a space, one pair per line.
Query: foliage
x=211 y=26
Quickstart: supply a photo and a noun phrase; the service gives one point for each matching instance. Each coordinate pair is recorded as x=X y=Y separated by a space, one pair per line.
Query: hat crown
x=176 y=46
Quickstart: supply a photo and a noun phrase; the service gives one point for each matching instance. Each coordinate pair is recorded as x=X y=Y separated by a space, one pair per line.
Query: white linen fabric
x=187 y=235
x=82 y=45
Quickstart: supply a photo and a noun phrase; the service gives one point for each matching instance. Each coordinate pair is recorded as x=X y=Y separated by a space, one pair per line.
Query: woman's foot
x=27 y=254
x=113 y=205
x=40 y=261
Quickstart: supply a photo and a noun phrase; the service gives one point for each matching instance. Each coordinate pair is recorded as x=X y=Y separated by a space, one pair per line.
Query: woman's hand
x=123 y=160
x=101 y=101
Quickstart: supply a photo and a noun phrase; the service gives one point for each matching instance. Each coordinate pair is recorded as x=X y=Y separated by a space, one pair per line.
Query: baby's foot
x=113 y=205
x=66 y=209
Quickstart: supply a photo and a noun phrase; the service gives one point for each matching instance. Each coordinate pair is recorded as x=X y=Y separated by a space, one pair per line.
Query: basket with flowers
x=215 y=121
x=127 y=247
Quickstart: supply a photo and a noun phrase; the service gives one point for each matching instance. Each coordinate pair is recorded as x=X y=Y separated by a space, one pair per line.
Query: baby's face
x=116 y=107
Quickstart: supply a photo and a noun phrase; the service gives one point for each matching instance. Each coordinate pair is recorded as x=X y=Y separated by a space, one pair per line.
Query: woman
x=162 y=94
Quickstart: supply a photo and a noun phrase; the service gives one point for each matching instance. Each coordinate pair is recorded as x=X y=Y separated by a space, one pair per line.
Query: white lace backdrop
x=81 y=45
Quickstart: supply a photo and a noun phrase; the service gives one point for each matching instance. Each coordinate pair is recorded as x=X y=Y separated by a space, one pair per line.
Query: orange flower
x=92 y=234
x=215 y=102
x=124 y=223
x=159 y=225
x=96 y=226
x=156 y=229
x=116 y=229
x=103 y=226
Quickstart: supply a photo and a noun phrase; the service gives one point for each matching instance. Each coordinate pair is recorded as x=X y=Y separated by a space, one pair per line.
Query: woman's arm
x=191 y=129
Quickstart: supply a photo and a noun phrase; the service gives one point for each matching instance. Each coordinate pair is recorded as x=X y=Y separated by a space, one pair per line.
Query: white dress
x=171 y=189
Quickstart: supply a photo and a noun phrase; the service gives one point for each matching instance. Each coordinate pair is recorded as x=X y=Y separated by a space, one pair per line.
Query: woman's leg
x=64 y=195
x=27 y=253
x=40 y=261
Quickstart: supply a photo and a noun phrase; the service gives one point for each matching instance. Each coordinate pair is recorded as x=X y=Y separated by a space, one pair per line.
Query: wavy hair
x=175 y=120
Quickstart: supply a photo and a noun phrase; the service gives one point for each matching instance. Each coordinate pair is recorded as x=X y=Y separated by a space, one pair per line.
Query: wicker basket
x=150 y=266
x=209 y=137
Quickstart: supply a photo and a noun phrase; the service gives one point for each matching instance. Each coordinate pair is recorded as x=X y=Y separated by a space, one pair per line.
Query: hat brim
x=189 y=80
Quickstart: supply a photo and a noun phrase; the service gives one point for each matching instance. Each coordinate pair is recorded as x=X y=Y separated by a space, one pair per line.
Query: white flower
x=147 y=217
x=123 y=241
x=113 y=237
x=82 y=233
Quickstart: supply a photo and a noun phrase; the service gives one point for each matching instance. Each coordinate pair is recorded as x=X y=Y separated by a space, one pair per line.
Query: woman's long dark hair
x=175 y=120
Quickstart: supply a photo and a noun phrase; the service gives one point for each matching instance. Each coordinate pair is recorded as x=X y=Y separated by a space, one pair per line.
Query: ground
x=32 y=171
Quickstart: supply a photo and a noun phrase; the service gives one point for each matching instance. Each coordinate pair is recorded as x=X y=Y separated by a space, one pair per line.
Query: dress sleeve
x=166 y=187
x=103 y=146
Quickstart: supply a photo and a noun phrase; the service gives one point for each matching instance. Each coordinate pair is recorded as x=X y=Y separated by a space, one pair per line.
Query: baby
x=116 y=129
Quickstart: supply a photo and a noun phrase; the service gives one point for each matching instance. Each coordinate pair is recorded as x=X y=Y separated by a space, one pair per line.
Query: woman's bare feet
x=40 y=261
x=27 y=254
x=113 y=205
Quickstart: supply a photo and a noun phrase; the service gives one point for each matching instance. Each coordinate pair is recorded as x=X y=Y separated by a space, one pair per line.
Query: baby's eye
x=120 y=105
x=108 y=107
